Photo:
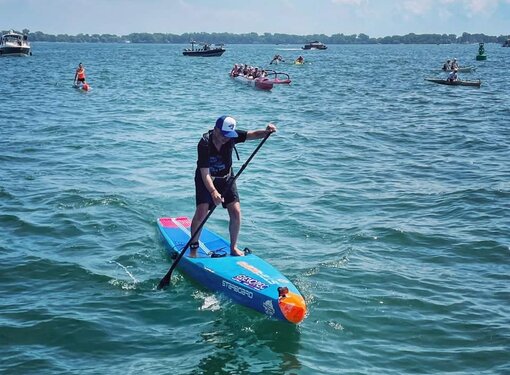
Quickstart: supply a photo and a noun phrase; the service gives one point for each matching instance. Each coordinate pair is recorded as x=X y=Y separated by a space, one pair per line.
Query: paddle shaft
x=165 y=281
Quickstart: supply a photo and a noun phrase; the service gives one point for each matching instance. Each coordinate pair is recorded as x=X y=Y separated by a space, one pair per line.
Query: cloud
x=418 y=7
x=348 y=2
x=482 y=6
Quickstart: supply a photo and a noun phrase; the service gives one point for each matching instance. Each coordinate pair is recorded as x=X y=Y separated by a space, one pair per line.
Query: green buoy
x=481 y=53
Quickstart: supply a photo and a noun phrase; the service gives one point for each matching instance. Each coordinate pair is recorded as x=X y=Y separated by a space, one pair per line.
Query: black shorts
x=202 y=195
x=80 y=80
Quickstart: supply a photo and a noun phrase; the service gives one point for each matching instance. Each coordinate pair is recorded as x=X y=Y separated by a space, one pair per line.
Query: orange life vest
x=81 y=73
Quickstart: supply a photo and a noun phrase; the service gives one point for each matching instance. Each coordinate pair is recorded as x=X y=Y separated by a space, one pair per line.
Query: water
x=384 y=198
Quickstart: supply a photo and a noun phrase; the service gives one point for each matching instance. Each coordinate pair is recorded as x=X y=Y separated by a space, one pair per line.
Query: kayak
x=464 y=69
x=247 y=280
x=454 y=83
x=261 y=83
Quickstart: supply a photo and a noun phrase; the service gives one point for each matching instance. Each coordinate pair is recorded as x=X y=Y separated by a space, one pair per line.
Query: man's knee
x=234 y=210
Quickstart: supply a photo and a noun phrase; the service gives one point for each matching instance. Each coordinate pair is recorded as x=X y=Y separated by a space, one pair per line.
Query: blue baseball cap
x=227 y=125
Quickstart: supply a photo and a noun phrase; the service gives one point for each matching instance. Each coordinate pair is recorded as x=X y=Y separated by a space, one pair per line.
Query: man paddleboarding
x=79 y=75
x=213 y=173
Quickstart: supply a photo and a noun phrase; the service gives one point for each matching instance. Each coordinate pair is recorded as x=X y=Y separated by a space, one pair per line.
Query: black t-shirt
x=218 y=162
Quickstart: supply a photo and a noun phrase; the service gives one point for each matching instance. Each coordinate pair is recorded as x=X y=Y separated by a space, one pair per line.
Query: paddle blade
x=164 y=282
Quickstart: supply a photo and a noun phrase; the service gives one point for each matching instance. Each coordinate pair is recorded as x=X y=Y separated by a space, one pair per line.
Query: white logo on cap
x=229 y=124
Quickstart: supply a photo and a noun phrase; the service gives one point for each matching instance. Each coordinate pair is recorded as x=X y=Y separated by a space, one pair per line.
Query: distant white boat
x=314 y=45
x=14 y=44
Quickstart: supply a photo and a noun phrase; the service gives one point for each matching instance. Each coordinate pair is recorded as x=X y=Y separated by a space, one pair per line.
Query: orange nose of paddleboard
x=292 y=306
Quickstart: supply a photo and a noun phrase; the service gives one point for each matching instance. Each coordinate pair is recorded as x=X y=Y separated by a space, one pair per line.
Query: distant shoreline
x=266 y=38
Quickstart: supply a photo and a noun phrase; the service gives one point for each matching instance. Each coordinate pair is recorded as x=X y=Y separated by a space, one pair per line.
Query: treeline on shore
x=266 y=38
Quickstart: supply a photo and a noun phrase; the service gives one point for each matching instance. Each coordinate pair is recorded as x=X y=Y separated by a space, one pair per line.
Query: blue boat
x=247 y=280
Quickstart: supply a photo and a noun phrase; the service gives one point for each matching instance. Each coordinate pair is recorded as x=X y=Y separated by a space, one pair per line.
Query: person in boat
x=213 y=174
x=446 y=65
x=233 y=72
x=79 y=76
x=453 y=76
x=454 y=64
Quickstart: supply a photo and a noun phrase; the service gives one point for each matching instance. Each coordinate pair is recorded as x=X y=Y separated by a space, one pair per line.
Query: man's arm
x=209 y=185
x=261 y=133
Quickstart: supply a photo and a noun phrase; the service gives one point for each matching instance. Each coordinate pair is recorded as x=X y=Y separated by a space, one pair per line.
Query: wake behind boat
x=454 y=83
x=247 y=280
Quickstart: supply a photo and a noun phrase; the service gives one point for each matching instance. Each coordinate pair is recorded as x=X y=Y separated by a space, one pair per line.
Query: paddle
x=165 y=281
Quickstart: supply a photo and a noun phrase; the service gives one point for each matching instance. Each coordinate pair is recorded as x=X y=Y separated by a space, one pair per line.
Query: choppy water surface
x=384 y=198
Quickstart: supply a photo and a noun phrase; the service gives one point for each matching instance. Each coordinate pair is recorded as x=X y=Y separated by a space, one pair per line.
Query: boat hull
x=455 y=83
x=14 y=51
x=209 y=53
x=312 y=48
x=248 y=280
x=258 y=83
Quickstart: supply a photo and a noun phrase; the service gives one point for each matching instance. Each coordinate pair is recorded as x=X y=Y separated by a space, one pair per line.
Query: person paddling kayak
x=213 y=172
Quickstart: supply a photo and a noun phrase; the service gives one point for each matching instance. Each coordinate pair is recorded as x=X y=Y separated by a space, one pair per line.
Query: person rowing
x=453 y=76
x=276 y=59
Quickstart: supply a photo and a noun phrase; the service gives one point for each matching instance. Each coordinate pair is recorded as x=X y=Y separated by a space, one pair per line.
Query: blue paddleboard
x=247 y=280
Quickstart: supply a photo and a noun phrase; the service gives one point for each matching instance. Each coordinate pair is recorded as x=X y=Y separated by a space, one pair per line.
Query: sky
x=376 y=18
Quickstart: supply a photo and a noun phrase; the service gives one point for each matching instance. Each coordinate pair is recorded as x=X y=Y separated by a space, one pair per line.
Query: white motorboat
x=14 y=44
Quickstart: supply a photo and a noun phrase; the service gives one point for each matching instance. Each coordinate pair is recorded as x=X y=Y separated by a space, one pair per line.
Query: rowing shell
x=455 y=83
x=247 y=280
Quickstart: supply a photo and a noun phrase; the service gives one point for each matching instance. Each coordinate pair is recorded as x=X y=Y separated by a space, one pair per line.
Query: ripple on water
x=384 y=204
